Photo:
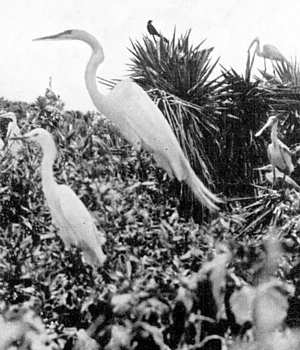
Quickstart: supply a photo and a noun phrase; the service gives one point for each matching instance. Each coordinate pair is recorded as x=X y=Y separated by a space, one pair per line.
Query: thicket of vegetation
x=175 y=277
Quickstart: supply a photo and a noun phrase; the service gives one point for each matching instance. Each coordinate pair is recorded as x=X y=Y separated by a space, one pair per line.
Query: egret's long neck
x=274 y=132
x=49 y=155
x=258 y=52
x=96 y=58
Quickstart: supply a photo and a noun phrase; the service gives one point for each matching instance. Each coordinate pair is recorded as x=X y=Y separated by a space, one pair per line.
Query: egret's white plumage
x=75 y=224
x=139 y=120
x=13 y=130
x=279 y=154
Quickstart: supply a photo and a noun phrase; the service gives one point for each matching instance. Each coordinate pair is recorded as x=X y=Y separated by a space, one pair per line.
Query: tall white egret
x=75 y=224
x=13 y=130
x=279 y=154
x=139 y=120
x=268 y=52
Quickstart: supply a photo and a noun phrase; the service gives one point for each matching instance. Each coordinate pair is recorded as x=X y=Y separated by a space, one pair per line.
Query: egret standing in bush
x=139 y=120
x=268 y=52
x=75 y=224
x=280 y=156
x=13 y=130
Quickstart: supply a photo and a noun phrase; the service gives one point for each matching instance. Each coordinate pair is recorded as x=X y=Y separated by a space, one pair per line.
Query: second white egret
x=75 y=224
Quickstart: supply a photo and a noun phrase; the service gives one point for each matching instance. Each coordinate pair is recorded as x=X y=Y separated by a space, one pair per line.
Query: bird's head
x=74 y=34
x=270 y=122
x=38 y=135
x=150 y=21
x=9 y=115
x=71 y=34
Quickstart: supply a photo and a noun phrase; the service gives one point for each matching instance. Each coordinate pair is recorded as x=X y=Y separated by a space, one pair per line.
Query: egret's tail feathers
x=93 y=256
x=203 y=194
x=182 y=170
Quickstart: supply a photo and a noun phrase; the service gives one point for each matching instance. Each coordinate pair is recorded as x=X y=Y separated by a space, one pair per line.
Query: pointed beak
x=6 y=116
x=22 y=138
x=267 y=167
x=49 y=37
x=268 y=123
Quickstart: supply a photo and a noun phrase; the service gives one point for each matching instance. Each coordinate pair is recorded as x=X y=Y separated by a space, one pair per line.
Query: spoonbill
x=13 y=130
x=139 y=119
x=268 y=52
x=152 y=30
x=279 y=154
x=75 y=224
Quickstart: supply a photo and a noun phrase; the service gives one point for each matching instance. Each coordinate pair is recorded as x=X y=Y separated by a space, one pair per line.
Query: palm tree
x=177 y=76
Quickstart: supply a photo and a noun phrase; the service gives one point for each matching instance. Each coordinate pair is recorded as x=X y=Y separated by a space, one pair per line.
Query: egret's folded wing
x=79 y=220
x=131 y=102
x=76 y=215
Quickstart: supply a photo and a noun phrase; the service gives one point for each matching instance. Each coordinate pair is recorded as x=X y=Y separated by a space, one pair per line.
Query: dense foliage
x=169 y=282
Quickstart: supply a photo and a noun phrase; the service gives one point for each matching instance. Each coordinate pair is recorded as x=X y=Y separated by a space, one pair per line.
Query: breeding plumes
x=152 y=31
x=13 y=130
x=139 y=120
x=75 y=224
x=268 y=52
x=279 y=154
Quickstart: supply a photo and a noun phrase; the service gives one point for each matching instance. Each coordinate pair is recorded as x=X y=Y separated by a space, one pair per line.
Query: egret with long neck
x=139 y=120
x=279 y=154
x=268 y=52
x=75 y=224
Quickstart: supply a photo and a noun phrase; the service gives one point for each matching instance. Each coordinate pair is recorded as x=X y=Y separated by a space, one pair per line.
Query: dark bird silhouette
x=152 y=30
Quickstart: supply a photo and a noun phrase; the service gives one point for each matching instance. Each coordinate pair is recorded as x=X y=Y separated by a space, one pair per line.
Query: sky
x=229 y=26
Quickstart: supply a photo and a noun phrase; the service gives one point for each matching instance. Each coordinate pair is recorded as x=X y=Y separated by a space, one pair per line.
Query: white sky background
x=228 y=25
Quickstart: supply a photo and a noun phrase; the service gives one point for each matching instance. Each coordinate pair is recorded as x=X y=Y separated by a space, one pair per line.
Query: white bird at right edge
x=13 y=130
x=75 y=224
x=139 y=120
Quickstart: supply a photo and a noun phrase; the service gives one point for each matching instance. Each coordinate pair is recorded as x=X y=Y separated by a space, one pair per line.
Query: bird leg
x=265 y=65
x=274 y=178
x=283 y=179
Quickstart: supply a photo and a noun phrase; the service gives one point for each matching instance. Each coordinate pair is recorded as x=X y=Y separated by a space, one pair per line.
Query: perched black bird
x=152 y=30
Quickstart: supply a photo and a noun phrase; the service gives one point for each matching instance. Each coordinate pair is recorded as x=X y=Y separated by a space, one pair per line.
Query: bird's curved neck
x=49 y=155
x=274 y=132
x=258 y=52
x=95 y=60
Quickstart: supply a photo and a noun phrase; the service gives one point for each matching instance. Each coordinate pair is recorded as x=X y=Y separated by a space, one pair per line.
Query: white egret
x=279 y=154
x=139 y=120
x=75 y=224
x=268 y=52
x=13 y=130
